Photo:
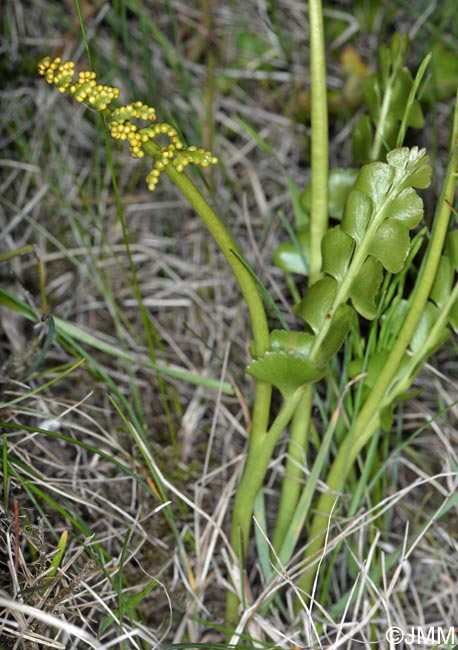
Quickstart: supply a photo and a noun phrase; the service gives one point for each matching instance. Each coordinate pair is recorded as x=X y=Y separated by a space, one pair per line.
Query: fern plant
x=356 y=270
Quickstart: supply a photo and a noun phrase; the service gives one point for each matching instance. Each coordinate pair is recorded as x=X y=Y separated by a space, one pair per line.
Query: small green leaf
x=365 y=287
x=337 y=249
x=406 y=207
x=412 y=167
x=292 y=257
x=375 y=179
x=358 y=211
x=298 y=343
x=340 y=182
x=315 y=305
x=338 y=330
x=390 y=245
x=287 y=372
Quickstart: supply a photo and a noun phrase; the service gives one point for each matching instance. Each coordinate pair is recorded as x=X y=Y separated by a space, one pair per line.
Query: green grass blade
x=73 y=333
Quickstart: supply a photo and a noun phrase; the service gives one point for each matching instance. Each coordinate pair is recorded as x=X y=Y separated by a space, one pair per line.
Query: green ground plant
x=380 y=300
x=372 y=239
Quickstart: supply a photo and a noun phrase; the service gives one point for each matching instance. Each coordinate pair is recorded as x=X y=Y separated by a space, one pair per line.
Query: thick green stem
x=291 y=487
x=259 y=456
x=368 y=420
x=228 y=246
x=247 y=285
x=318 y=226
x=248 y=288
x=256 y=468
x=320 y=144
x=292 y=483
x=261 y=443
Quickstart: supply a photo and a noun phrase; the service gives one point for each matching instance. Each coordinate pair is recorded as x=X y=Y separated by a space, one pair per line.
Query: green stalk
x=258 y=460
x=291 y=486
x=256 y=467
x=228 y=246
x=320 y=138
x=261 y=444
x=368 y=419
x=247 y=285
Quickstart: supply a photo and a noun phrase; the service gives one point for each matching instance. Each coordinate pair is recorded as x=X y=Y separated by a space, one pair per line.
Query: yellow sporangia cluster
x=86 y=90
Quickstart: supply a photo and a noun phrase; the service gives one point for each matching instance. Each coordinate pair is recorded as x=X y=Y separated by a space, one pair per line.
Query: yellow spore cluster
x=86 y=90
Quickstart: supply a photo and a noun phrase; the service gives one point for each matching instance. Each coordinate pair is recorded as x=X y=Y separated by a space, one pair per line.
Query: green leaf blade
x=314 y=307
x=358 y=211
x=365 y=288
x=287 y=372
x=406 y=207
x=293 y=257
x=390 y=245
x=298 y=343
x=337 y=333
x=337 y=249
x=412 y=167
x=375 y=180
